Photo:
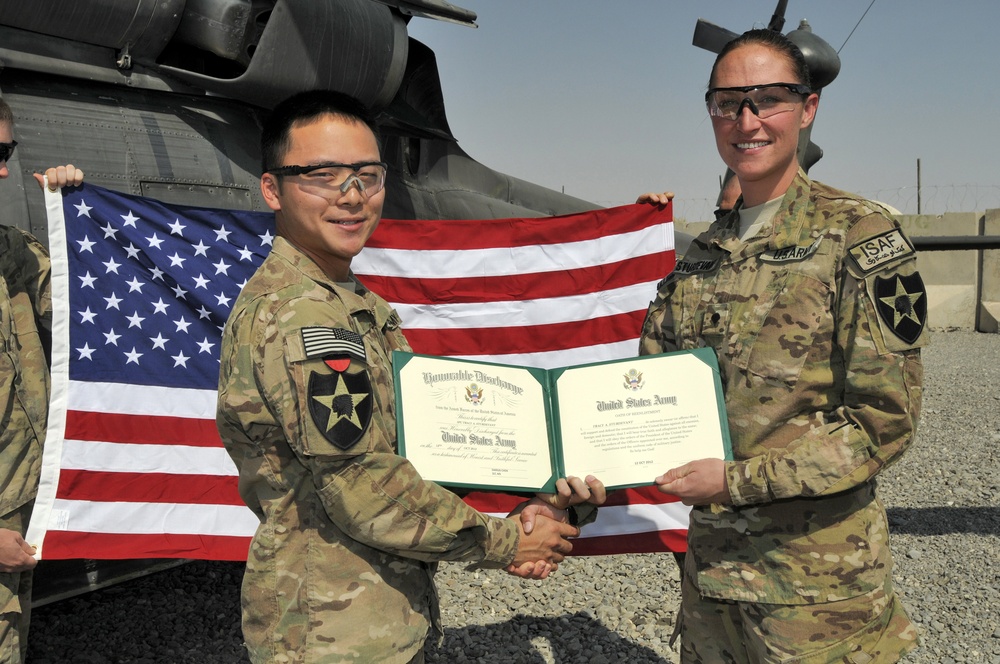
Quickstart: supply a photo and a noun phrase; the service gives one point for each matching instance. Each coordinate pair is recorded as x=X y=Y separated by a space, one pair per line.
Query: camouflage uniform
x=816 y=321
x=341 y=567
x=25 y=328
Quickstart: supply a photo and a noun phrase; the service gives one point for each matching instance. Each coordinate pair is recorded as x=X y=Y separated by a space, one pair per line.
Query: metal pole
x=918 y=185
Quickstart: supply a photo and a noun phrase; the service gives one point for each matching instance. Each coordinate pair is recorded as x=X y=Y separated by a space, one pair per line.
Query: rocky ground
x=944 y=510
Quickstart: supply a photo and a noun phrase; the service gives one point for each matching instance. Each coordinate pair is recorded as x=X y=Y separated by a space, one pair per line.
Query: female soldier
x=811 y=300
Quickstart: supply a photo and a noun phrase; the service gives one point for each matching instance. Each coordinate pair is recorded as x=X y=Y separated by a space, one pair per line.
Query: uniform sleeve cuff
x=747 y=482
x=501 y=544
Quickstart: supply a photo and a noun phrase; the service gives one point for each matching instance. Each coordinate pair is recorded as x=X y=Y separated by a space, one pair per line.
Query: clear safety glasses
x=763 y=100
x=368 y=176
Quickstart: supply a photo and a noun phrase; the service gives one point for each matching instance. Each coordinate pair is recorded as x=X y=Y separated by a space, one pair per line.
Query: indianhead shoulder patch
x=340 y=404
x=901 y=302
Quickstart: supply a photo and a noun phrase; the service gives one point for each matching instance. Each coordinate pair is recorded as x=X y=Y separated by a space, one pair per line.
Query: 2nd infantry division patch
x=341 y=406
x=901 y=302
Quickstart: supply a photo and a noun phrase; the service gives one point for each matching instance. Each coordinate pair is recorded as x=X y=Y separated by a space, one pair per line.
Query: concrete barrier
x=951 y=277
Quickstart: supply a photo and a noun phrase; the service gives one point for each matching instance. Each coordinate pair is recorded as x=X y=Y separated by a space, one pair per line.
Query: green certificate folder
x=499 y=427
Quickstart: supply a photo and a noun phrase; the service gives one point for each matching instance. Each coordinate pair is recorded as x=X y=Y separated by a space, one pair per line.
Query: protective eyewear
x=6 y=150
x=368 y=176
x=763 y=100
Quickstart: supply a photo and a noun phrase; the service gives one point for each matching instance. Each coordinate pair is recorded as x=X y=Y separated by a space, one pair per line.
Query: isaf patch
x=341 y=405
x=880 y=251
x=901 y=303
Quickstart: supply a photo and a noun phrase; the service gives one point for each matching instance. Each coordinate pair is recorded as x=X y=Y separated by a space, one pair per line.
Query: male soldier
x=341 y=567
x=25 y=328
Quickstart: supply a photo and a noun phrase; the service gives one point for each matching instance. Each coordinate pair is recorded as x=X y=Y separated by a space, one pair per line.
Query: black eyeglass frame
x=7 y=150
x=797 y=88
x=304 y=170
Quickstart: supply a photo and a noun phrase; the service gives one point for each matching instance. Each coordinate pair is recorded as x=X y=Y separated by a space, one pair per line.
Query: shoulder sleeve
x=882 y=262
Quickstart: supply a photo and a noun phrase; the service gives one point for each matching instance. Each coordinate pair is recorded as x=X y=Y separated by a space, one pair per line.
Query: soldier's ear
x=270 y=189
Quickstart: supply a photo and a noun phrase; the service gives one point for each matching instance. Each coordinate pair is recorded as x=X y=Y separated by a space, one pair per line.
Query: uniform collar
x=791 y=225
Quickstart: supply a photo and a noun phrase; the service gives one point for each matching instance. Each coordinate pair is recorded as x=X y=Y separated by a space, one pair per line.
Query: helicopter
x=165 y=99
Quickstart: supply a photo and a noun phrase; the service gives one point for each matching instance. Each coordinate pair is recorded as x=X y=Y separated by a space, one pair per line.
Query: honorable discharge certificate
x=484 y=425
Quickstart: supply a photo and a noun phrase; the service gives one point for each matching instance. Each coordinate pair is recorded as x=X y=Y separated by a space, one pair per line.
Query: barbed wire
x=933 y=199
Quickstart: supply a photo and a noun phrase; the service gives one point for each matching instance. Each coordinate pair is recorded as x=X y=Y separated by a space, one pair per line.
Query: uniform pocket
x=783 y=327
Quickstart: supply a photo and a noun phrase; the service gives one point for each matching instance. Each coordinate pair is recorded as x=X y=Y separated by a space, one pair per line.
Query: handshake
x=544 y=526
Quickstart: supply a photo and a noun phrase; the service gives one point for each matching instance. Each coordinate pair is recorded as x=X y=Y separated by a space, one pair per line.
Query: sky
x=605 y=99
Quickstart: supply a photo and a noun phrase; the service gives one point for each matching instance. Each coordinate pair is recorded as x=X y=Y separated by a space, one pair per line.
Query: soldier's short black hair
x=771 y=39
x=303 y=107
x=6 y=115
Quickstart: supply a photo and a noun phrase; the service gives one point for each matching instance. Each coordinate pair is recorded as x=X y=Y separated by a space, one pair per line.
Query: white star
x=157 y=273
x=82 y=210
x=266 y=239
x=111 y=337
x=205 y=346
x=246 y=254
x=203 y=313
x=87 y=315
x=109 y=231
x=86 y=352
x=179 y=292
x=222 y=267
x=135 y=286
x=200 y=281
x=87 y=281
x=182 y=324
x=130 y=219
x=112 y=301
x=177 y=228
x=154 y=241
x=200 y=249
x=112 y=266
x=242 y=285
x=135 y=320
x=180 y=360
x=86 y=244
x=132 y=252
x=132 y=356
x=222 y=235
x=222 y=300
x=159 y=341
x=176 y=260
x=160 y=307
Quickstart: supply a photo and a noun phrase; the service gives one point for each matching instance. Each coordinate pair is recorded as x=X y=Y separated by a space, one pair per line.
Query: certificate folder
x=482 y=425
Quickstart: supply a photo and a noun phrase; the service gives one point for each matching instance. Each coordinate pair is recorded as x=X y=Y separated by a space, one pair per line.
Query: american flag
x=133 y=465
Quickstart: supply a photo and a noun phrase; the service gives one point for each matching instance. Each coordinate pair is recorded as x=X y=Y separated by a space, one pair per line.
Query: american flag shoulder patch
x=326 y=341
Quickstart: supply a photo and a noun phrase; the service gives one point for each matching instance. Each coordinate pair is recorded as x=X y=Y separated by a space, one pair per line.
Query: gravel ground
x=944 y=510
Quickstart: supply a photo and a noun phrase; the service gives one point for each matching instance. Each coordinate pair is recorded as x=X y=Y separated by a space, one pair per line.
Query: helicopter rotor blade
x=710 y=36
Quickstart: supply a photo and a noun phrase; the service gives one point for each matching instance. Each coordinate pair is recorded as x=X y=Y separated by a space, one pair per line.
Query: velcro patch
x=329 y=341
x=341 y=406
x=694 y=267
x=789 y=254
x=877 y=252
x=901 y=302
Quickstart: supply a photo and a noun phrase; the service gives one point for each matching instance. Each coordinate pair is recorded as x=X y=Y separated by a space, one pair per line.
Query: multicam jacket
x=341 y=566
x=816 y=322
x=25 y=331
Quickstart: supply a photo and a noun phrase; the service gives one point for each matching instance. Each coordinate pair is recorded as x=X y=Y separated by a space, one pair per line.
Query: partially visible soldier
x=341 y=567
x=25 y=330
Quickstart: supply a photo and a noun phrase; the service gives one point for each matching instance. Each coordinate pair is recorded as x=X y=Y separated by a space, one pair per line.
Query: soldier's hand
x=546 y=543
x=656 y=199
x=60 y=176
x=701 y=482
x=569 y=491
x=15 y=553
x=573 y=491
